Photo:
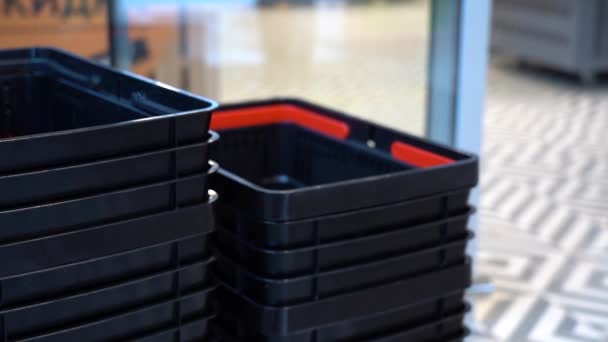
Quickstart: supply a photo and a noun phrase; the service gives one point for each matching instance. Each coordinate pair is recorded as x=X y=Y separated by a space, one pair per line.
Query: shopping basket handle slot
x=264 y=115
x=416 y=156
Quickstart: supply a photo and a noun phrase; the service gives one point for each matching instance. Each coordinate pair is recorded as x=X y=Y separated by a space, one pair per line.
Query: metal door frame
x=457 y=77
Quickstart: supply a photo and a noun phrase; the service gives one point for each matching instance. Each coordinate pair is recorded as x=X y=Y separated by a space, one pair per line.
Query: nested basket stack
x=105 y=208
x=331 y=228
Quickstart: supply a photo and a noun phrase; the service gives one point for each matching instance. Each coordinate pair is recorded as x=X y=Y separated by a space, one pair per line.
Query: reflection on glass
x=368 y=58
x=78 y=26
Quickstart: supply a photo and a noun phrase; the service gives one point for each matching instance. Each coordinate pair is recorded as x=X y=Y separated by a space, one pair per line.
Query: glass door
x=367 y=58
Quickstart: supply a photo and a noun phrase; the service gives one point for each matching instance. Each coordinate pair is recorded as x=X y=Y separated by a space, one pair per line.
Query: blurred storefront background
x=417 y=66
x=364 y=57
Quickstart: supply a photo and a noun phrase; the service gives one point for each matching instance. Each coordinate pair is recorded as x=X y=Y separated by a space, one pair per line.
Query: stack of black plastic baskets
x=331 y=228
x=105 y=210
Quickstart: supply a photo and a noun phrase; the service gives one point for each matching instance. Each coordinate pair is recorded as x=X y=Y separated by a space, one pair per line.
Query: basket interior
x=285 y=156
x=39 y=99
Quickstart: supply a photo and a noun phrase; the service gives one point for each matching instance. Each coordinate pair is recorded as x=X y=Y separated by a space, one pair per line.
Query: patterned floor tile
x=544 y=209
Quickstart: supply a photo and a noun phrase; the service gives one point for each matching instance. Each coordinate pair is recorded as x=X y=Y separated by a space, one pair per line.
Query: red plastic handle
x=284 y=113
x=264 y=115
x=417 y=156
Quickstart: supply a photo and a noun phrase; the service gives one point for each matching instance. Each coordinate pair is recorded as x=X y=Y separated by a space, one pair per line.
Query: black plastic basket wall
x=105 y=206
x=333 y=228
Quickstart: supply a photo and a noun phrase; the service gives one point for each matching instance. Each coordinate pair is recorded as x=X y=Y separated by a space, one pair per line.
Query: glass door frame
x=458 y=60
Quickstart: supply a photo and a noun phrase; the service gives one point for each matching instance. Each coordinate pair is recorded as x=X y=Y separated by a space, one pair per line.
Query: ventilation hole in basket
x=371 y=143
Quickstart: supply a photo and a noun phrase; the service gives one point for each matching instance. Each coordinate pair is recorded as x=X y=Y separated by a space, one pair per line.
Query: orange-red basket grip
x=417 y=156
x=264 y=115
x=272 y=114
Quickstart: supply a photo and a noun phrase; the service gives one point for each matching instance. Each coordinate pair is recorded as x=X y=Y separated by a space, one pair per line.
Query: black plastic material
x=50 y=284
x=332 y=255
x=28 y=256
x=74 y=214
x=58 y=108
x=195 y=330
x=449 y=329
x=43 y=186
x=134 y=323
x=88 y=305
x=283 y=172
x=290 y=291
x=285 y=320
x=434 y=320
x=325 y=229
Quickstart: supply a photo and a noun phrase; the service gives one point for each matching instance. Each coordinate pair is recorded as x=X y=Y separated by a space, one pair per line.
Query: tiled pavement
x=544 y=208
